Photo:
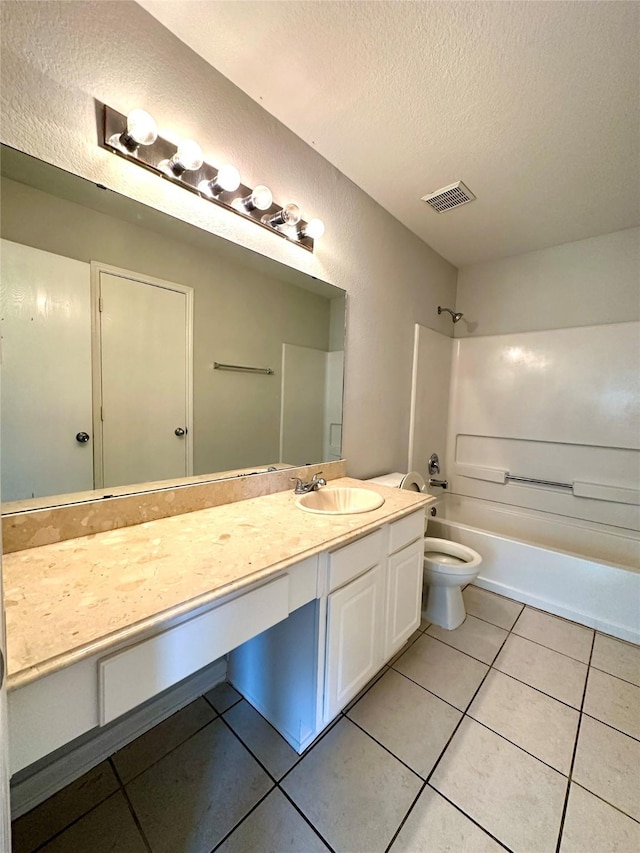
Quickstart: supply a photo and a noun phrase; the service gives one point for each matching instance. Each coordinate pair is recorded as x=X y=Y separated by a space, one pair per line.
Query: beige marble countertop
x=69 y=600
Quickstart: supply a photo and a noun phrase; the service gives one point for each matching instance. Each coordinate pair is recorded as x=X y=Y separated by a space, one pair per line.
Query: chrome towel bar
x=217 y=365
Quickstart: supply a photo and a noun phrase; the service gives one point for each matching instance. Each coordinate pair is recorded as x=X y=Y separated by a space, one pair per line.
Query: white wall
x=576 y=284
x=59 y=59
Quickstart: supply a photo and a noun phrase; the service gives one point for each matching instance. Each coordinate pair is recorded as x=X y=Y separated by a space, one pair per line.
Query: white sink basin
x=340 y=501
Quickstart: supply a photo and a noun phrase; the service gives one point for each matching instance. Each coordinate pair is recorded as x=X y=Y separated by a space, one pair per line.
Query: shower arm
x=455 y=315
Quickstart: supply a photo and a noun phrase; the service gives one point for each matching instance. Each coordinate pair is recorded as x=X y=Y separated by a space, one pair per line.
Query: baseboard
x=46 y=777
x=550 y=606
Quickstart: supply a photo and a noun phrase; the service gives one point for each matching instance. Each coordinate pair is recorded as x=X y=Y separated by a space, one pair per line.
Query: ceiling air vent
x=449 y=197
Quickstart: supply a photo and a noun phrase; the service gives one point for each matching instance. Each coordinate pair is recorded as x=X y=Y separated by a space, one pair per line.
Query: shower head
x=455 y=316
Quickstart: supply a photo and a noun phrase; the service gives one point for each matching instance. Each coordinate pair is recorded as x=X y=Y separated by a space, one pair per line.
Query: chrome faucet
x=312 y=486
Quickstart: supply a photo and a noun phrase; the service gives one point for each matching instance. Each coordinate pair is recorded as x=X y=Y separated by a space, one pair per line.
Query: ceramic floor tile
x=617 y=658
x=262 y=739
x=158 y=741
x=274 y=827
x=491 y=607
x=223 y=696
x=593 y=826
x=196 y=794
x=52 y=816
x=412 y=723
x=613 y=701
x=352 y=790
x=555 y=633
x=607 y=764
x=109 y=828
x=450 y=674
x=543 y=726
x=475 y=637
x=436 y=826
x=513 y=796
x=553 y=673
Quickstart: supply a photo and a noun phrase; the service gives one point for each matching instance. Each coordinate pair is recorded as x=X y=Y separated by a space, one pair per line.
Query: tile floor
x=517 y=731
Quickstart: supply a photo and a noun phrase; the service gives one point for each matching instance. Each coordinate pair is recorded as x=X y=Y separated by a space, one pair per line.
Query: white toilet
x=448 y=566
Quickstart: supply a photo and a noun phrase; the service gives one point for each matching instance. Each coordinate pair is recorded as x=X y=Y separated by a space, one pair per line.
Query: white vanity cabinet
x=355 y=620
x=302 y=672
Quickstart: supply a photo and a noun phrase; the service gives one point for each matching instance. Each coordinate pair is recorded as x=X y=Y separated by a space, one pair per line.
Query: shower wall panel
x=560 y=405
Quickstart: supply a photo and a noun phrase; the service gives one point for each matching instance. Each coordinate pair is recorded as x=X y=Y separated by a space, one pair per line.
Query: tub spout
x=441 y=484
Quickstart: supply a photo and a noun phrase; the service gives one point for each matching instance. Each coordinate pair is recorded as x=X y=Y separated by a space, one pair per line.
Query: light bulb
x=188 y=158
x=289 y=215
x=260 y=199
x=314 y=229
x=141 y=127
x=227 y=180
x=141 y=130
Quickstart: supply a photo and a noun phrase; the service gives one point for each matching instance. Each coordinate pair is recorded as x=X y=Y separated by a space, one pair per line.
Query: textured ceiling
x=534 y=105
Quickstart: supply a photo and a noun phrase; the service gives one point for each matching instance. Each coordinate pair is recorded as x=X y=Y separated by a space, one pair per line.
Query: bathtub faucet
x=441 y=484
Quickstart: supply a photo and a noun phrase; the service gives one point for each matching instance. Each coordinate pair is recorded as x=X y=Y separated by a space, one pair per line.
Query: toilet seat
x=449 y=558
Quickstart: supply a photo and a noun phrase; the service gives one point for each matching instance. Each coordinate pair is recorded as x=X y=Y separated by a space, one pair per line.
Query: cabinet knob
x=82 y=437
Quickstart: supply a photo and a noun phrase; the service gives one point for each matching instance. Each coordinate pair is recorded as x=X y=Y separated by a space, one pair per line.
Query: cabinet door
x=354 y=634
x=404 y=596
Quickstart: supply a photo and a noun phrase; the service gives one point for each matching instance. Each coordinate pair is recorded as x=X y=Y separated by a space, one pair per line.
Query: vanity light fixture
x=135 y=137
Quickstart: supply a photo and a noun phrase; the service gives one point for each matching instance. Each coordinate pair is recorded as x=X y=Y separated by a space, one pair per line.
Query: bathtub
x=587 y=573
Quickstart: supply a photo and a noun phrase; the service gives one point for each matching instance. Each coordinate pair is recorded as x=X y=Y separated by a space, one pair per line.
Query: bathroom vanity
x=308 y=607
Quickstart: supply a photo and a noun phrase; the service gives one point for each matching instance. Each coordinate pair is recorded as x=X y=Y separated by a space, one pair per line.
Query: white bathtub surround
x=561 y=406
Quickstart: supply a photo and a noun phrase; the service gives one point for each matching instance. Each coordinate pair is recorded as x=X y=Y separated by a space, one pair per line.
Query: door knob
x=82 y=437
x=180 y=432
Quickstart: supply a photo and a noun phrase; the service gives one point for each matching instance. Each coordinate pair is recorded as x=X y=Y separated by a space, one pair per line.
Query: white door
x=46 y=389
x=145 y=358
x=404 y=596
x=354 y=641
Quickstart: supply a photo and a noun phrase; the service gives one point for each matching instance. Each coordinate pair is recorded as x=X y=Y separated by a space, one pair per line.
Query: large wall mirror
x=138 y=348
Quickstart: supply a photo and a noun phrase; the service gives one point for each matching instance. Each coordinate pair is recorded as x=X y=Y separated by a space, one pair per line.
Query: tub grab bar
x=594 y=491
x=516 y=479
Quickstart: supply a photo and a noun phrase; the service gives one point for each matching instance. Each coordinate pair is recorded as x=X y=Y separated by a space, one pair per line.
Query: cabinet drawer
x=406 y=530
x=130 y=677
x=354 y=559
